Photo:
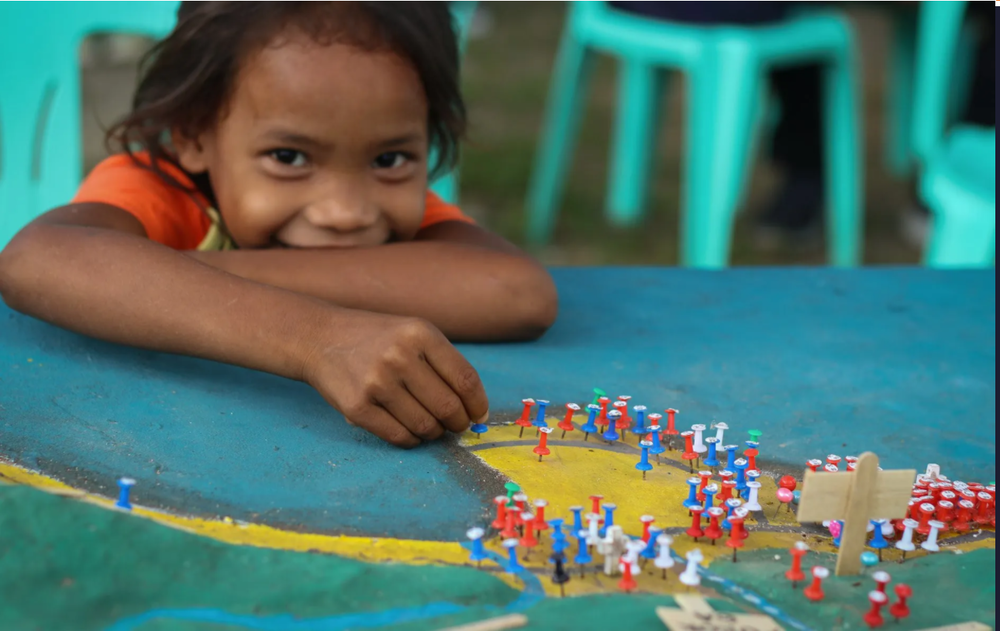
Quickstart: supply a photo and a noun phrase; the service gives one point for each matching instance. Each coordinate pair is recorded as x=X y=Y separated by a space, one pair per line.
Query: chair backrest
x=938 y=30
x=41 y=161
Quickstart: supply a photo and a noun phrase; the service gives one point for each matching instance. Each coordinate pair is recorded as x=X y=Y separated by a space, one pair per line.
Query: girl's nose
x=342 y=213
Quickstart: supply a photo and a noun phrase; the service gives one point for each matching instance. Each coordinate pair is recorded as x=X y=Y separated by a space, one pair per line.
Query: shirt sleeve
x=437 y=211
x=169 y=215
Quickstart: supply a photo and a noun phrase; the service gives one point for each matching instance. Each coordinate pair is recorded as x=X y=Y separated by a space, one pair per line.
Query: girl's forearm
x=126 y=289
x=469 y=292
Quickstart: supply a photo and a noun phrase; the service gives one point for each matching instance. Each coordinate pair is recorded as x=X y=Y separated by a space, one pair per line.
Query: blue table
x=897 y=361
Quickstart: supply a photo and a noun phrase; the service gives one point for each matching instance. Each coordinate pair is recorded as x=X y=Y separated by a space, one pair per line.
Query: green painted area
x=947 y=588
x=66 y=564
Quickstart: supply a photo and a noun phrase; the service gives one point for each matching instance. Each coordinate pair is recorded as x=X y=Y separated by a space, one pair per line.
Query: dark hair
x=188 y=77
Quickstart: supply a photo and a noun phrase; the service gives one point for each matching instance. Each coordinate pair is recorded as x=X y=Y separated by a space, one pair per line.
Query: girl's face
x=319 y=146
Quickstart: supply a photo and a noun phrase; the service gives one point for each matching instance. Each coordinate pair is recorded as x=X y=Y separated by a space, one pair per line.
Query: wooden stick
x=512 y=621
x=855 y=530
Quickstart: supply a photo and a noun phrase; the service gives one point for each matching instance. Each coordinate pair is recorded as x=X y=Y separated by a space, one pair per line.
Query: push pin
x=513 y=566
x=795 y=574
x=479 y=429
x=868 y=559
x=878 y=539
x=731 y=457
x=643 y=464
x=720 y=430
x=540 y=417
x=814 y=464
x=475 y=535
x=671 y=430
x=664 y=560
x=640 y=420
x=590 y=427
x=577 y=517
x=695 y=530
x=714 y=530
x=582 y=558
x=833 y=459
x=785 y=498
x=649 y=552
x=528 y=540
x=815 y=591
x=540 y=523
x=699 y=444
x=692 y=500
x=690 y=576
x=124 y=487
x=501 y=502
x=621 y=420
x=602 y=420
x=543 y=438
x=654 y=433
x=751 y=454
x=736 y=536
x=905 y=542
x=931 y=544
x=612 y=434
x=874 y=616
x=900 y=609
x=689 y=452
x=566 y=425
x=712 y=459
x=881 y=578
x=525 y=419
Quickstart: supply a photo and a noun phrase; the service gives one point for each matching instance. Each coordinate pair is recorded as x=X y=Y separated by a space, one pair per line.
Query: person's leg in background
x=796 y=209
x=980 y=110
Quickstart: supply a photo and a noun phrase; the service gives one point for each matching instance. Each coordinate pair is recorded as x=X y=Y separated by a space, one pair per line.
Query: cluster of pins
x=937 y=506
x=877 y=597
x=622 y=555
x=654 y=439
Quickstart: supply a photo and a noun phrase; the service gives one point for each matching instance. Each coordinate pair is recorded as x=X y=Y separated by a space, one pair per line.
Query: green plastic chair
x=958 y=183
x=446 y=186
x=41 y=155
x=725 y=66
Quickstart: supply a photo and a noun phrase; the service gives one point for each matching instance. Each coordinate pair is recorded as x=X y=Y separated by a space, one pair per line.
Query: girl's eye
x=289 y=157
x=390 y=160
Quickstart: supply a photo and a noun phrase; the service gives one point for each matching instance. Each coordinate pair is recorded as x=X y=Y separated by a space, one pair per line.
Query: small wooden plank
x=962 y=626
x=701 y=617
x=855 y=530
x=500 y=623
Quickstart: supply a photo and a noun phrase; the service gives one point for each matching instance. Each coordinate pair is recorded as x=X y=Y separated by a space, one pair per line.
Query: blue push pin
x=709 y=492
x=582 y=558
x=731 y=505
x=590 y=427
x=741 y=470
x=731 y=457
x=712 y=460
x=478 y=551
x=878 y=539
x=612 y=434
x=577 y=517
x=513 y=565
x=124 y=486
x=640 y=420
x=479 y=429
x=649 y=552
x=657 y=447
x=540 y=418
x=692 y=500
x=869 y=559
x=558 y=537
x=643 y=464
x=609 y=517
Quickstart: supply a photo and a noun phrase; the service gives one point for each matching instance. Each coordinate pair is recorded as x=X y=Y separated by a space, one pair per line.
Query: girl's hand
x=397 y=377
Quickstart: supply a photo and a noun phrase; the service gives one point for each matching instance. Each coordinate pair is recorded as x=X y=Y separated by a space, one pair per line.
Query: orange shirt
x=177 y=218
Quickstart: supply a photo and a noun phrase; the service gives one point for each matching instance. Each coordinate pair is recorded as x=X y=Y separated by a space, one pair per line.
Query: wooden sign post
x=855 y=497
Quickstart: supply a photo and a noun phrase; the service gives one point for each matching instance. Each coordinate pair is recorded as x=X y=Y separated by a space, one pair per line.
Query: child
x=271 y=210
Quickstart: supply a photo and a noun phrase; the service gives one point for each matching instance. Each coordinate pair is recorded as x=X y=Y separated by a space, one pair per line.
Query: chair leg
x=721 y=93
x=843 y=158
x=634 y=141
x=558 y=137
x=963 y=233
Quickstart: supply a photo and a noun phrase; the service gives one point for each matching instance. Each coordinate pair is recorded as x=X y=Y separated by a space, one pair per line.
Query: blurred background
x=508 y=70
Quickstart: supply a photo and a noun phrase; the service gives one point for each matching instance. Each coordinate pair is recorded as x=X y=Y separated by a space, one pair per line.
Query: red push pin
x=874 y=616
x=596 y=506
x=963 y=515
x=540 y=523
x=689 y=453
x=736 y=535
x=520 y=507
x=787 y=482
x=566 y=425
x=695 y=529
x=830 y=468
x=624 y=398
x=501 y=502
x=814 y=464
x=984 y=508
x=945 y=513
x=926 y=512
x=525 y=420
x=751 y=456
x=627 y=583
x=602 y=420
x=510 y=527
x=881 y=579
x=714 y=531
x=528 y=541
x=543 y=440
x=833 y=459
x=900 y=609
x=647 y=521
x=815 y=591
x=728 y=486
x=705 y=477
x=795 y=574
x=671 y=430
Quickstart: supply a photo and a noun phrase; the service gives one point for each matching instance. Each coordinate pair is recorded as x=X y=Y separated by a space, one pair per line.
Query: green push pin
x=755 y=435
x=598 y=393
x=511 y=490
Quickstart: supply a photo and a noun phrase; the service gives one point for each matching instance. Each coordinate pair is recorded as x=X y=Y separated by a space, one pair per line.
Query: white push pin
x=905 y=542
x=933 y=471
x=632 y=556
x=753 y=504
x=887 y=530
x=593 y=533
x=931 y=545
x=720 y=429
x=664 y=560
x=690 y=576
x=699 y=444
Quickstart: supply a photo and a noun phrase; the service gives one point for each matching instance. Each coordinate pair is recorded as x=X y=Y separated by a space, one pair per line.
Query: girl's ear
x=190 y=152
